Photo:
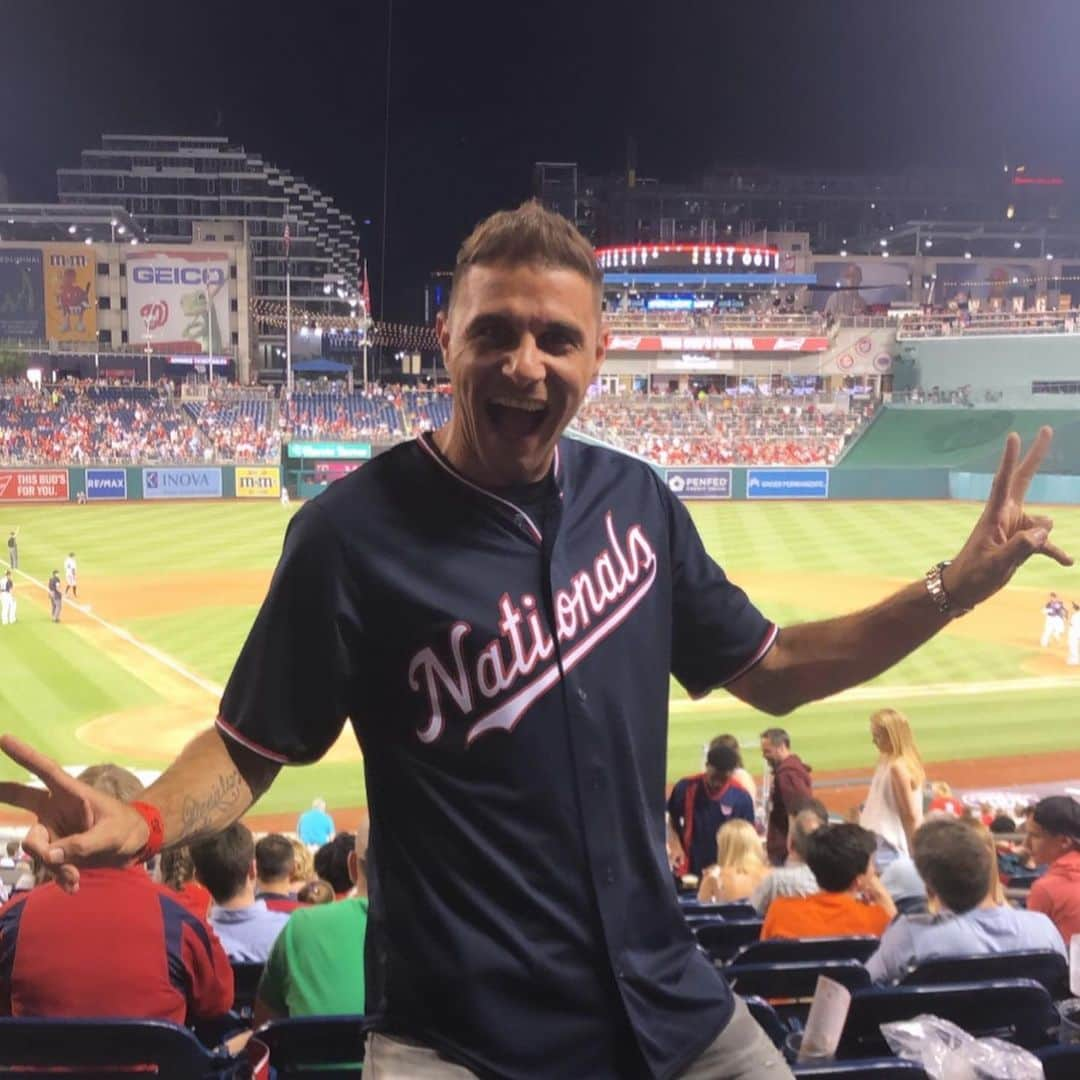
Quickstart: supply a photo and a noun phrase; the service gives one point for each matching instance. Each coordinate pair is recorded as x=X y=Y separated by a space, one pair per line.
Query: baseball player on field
x=7 y=599
x=1054 y=614
x=1074 y=635
x=497 y=610
x=71 y=575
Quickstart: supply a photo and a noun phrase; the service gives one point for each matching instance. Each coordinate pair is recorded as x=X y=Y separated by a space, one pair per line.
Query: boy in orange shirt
x=852 y=899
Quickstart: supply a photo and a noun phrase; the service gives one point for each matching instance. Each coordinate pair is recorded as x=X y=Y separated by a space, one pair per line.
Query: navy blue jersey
x=509 y=688
x=697 y=821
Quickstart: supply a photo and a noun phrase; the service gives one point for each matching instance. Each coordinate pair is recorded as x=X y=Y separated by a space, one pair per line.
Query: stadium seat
x=1060 y=1062
x=693 y=908
x=794 y=980
x=326 y=1047
x=1019 y=1010
x=794 y=950
x=723 y=939
x=97 y=1048
x=246 y=981
x=875 y=1068
x=768 y=1020
x=1044 y=966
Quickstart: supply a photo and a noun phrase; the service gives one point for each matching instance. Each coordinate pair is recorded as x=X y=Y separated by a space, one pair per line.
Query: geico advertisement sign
x=254 y=483
x=177 y=483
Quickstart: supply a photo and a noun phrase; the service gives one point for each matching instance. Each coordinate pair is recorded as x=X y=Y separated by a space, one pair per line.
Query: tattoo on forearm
x=203 y=815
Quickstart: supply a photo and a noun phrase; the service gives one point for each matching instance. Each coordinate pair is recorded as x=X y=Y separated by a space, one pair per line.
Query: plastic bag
x=947 y=1052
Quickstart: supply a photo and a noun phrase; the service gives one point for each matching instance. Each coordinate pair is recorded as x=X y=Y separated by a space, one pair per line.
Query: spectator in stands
x=956 y=865
x=893 y=808
x=316 y=967
x=740 y=864
x=332 y=863
x=273 y=871
x=794 y=878
x=1053 y=838
x=225 y=864
x=317 y=892
x=303 y=865
x=315 y=827
x=122 y=946
x=944 y=802
x=176 y=871
x=791 y=787
x=851 y=900
x=741 y=775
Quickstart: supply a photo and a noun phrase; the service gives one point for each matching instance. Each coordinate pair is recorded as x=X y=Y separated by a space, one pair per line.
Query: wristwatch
x=936 y=588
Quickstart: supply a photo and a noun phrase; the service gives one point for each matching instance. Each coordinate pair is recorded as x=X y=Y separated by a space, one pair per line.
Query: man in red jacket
x=122 y=946
x=791 y=787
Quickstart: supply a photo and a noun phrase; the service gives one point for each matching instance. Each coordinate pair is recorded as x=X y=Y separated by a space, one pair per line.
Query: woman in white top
x=740 y=864
x=893 y=808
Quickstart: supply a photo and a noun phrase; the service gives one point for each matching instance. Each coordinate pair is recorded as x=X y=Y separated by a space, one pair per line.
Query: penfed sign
x=178 y=483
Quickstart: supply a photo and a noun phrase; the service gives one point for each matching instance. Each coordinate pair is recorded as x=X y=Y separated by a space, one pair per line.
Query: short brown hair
x=954 y=861
x=274 y=857
x=112 y=780
x=223 y=861
x=529 y=234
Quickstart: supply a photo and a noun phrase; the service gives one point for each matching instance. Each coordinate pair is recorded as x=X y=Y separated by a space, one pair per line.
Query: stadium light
x=1010 y=211
x=967 y=254
x=1048 y=256
x=873 y=206
x=928 y=242
x=88 y=241
x=121 y=229
x=73 y=229
x=1016 y=245
x=883 y=242
x=133 y=241
x=843 y=253
x=885 y=254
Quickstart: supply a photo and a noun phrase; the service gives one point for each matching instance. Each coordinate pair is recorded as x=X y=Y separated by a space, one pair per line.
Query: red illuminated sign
x=1039 y=181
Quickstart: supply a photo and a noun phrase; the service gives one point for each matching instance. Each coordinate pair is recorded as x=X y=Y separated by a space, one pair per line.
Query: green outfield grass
x=798 y=560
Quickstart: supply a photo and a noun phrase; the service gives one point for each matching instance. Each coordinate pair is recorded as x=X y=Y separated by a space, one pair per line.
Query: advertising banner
x=106 y=484
x=700 y=483
x=850 y=287
x=22 y=297
x=359 y=451
x=787 y=483
x=326 y=472
x=179 y=298
x=697 y=343
x=258 y=482
x=70 y=303
x=33 y=485
x=179 y=483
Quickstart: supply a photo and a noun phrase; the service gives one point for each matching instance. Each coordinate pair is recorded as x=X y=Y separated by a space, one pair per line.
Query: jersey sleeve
x=717 y=633
x=287 y=695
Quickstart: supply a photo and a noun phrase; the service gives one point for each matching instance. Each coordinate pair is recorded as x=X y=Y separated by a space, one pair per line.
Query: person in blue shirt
x=700 y=805
x=315 y=827
x=956 y=865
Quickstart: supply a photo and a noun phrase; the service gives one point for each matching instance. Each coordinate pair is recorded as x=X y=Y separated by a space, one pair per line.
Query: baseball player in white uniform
x=1074 y=635
x=71 y=576
x=7 y=600
x=1053 y=621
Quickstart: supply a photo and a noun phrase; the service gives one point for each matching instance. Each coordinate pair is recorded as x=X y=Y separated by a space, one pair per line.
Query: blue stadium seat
x=768 y=1020
x=794 y=980
x=723 y=939
x=1044 y=966
x=792 y=950
x=97 y=1048
x=320 y=1047
x=874 y=1068
x=1019 y=1010
x=694 y=908
x=1060 y=1062
x=246 y=981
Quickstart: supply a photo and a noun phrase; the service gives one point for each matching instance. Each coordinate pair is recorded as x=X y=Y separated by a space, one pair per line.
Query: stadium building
x=183 y=189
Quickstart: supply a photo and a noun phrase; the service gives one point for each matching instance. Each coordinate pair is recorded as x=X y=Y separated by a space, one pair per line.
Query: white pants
x=1053 y=628
x=1074 y=647
x=7 y=608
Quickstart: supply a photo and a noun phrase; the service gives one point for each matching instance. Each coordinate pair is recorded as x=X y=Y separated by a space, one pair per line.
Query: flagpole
x=288 y=316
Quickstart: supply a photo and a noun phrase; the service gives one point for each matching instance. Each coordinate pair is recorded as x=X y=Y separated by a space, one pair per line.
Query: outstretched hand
x=76 y=825
x=1006 y=535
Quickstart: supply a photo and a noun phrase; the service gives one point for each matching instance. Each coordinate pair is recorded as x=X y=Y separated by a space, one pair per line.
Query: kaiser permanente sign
x=329 y=450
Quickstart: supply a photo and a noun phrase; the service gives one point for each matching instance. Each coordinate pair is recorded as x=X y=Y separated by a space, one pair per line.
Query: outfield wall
x=156 y=483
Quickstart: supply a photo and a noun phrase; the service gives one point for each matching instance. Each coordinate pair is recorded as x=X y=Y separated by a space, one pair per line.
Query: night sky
x=480 y=90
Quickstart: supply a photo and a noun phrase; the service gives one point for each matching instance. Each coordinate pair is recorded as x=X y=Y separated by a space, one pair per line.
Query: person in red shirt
x=177 y=872
x=122 y=946
x=852 y=899
x=1053 y=838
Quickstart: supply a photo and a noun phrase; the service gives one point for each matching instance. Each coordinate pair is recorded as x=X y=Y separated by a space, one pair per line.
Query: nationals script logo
x=155 y=314
x=594 y=604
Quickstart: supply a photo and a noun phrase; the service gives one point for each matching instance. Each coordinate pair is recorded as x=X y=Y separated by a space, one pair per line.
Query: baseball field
x=169 y=591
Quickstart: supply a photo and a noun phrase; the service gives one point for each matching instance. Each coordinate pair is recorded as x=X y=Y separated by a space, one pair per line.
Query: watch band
x=936 y=588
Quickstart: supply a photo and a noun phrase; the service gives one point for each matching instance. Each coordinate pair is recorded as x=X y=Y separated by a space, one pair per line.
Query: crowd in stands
x=723 y=430
x=176 y=940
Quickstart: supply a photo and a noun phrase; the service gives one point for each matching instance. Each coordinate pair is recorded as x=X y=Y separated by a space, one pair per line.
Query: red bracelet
x=156 y=836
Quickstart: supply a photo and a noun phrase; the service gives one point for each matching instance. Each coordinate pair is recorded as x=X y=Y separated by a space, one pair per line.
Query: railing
x=990 y=324
x=767 y=322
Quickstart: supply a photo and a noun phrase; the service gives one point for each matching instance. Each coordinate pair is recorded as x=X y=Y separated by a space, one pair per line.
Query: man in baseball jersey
x=7 y=599
x=1053 y=620
x=71 y=575
x=497 y=610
